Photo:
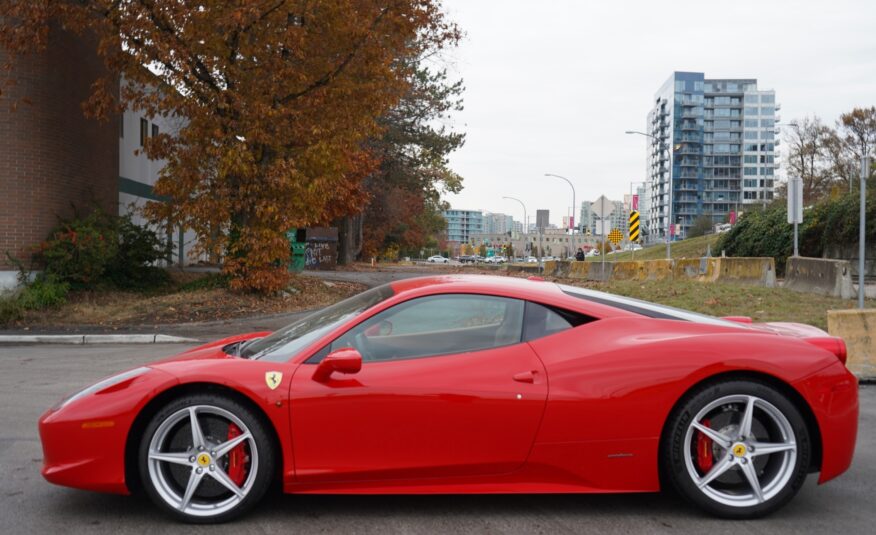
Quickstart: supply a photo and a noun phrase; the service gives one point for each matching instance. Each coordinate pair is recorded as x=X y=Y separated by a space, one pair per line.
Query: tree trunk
x=349 y=239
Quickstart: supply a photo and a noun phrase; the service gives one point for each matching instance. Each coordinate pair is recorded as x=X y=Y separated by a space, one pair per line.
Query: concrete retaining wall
x=757 y=271
x=820 y=276
x=858 y=329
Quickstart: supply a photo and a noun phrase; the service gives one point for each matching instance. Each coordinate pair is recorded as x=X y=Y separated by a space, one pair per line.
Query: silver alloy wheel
x=205 y=457
x=738 y=449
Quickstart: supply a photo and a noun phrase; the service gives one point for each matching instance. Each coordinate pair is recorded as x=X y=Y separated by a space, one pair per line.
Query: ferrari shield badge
x=273 y=379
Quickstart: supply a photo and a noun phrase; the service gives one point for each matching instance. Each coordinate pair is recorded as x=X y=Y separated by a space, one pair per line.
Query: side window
x=540 y=321
x=437 y=325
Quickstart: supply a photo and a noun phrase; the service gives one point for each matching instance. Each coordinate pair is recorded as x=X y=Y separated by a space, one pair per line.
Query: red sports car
x=469 y=384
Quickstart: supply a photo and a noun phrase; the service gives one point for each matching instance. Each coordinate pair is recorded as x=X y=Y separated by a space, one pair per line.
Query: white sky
x=551 y=86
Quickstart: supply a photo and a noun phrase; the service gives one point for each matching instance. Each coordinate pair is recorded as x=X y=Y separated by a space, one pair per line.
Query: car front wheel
x=738 y=449
x=206 y=458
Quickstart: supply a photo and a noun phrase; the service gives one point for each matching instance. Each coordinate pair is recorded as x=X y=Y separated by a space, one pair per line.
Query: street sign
x=795 y=200
x=635 y=202
x=602 y=208
x=634 y=226
x=615 y=236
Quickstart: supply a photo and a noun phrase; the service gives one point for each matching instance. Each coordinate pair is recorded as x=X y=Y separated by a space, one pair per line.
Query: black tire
x=677 y=459
x=256 y=484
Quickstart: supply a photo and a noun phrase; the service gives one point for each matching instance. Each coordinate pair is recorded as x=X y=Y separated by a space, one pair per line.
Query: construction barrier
x=855 y=327
x=820 y=276
x=755 y=271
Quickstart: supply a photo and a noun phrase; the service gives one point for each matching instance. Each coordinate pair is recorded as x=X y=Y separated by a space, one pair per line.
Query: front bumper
x=84 y=442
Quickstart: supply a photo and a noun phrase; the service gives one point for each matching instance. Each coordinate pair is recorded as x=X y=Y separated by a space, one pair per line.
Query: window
x=750 y=111
x=144 y=131
x=751 y=99
x=767 y=123
x=540 y=321
x=283 y=344
x=751 y=123
x=750 y=171
x=750 y=158
x=768 y=99
x=768 y=110
x=751 y=134
x=154 y=129
x=698 y=86
x=437 y=325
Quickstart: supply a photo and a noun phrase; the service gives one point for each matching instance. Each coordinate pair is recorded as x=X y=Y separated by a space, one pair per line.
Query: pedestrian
x=579 y=256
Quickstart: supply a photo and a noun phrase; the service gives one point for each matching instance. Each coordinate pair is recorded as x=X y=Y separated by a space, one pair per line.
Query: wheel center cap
x=204 y=460
x=739 y=449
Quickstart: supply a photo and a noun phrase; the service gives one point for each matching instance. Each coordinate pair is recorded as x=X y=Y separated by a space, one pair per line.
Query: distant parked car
x=495 y=259
x=438 y=259
x=531 y=260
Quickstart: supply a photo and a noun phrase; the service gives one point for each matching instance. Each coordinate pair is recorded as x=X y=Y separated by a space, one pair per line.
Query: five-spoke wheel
x=205 y=458
x=738 y=449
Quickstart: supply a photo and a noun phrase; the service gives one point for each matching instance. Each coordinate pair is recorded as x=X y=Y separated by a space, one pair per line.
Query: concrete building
x=717 y=138
x=618 y=219
x=542 y=219
x=497 y=223
x=462 y=224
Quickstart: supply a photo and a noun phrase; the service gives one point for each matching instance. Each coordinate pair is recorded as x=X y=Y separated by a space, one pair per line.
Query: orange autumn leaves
x=275 y=99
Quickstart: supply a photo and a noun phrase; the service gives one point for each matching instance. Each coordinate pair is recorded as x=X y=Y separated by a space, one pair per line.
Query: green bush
x=768 y=233
x=79 y=251
x=10 y=310
x=100 y=248
x=138 y=248
x=44 y=292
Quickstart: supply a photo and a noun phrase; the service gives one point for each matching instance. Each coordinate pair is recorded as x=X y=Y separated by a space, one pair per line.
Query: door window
x=437 y=325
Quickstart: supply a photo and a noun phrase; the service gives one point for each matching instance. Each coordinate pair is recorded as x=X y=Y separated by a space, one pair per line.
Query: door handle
x=525 y=377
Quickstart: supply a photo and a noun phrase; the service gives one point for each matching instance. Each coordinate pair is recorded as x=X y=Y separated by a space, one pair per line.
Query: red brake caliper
x=704 y=450
x=236 y=457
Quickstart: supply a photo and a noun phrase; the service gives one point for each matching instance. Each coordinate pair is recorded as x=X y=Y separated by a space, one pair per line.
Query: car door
x=446 y=388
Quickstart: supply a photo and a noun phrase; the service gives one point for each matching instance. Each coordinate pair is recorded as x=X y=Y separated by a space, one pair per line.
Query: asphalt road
x=33 y=377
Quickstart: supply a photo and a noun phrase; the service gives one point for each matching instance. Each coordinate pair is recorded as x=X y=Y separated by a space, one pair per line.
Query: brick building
x=52 y=158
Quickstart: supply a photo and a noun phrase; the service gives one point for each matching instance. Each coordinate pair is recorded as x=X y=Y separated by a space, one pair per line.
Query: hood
x=213 y=350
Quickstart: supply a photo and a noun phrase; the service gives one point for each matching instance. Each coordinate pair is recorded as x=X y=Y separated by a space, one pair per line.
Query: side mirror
x=346 y=360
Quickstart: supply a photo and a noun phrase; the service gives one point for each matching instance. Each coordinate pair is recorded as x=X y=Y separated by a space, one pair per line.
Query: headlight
x=106 y=383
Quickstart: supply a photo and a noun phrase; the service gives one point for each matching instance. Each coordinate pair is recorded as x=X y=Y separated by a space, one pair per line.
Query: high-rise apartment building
x=498 y=223
x=715 y=141
x=461 y=224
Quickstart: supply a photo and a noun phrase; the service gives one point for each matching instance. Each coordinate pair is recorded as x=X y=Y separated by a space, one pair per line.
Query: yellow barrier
x=856 y=328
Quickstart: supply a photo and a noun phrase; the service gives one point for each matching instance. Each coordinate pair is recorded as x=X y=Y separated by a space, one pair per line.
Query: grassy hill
x=690 y=248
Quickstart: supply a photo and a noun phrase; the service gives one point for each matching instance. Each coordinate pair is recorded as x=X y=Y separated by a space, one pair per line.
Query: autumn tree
x=857 y=130
x=278 y=96
x=404 y=207
x=809 y=156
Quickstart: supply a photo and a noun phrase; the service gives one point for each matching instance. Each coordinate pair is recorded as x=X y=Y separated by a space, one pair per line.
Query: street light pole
x=669 y=225
x=862 y=231
x=572 y=219
x=525 y=222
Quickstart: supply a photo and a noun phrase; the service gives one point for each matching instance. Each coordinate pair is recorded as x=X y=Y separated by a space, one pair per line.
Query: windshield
x=289 y=340
x=645 y=308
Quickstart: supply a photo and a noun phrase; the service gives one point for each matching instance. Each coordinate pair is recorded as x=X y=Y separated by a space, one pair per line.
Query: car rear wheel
x=738 y=449
x=206 y=458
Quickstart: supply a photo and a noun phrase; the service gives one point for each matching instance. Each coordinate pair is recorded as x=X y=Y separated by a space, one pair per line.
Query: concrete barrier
x=858 y=329
x=819 y=276
x=757 y=271
x=524 y=268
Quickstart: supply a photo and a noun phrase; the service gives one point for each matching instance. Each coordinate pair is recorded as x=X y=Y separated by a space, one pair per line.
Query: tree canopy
x=280 y=98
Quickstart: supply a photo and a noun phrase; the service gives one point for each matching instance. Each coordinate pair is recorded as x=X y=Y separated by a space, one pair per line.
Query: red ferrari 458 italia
x=470 y=384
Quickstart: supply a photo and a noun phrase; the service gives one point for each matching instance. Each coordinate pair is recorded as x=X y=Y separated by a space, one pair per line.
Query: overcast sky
x=551 y=86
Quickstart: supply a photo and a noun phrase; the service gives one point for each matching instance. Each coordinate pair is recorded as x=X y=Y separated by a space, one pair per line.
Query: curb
x=94 y=339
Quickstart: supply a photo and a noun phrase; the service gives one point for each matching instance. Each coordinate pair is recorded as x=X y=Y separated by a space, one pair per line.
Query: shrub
x=10 y=310
x=212 y=281
x=44 y=292
x=79 y=251
x=98 y=248
x=138 y=249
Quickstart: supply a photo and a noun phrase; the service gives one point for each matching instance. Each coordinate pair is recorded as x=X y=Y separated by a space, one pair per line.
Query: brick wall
x=51 y=156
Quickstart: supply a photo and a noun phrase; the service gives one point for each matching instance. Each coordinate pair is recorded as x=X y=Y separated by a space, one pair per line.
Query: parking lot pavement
x=32 y=378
